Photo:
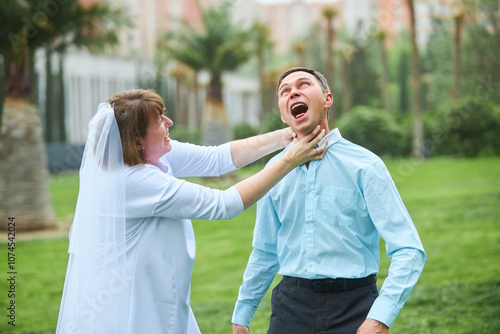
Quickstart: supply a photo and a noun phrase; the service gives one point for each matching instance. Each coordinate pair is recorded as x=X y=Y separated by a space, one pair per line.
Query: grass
x=455 y=205
x=64 y=193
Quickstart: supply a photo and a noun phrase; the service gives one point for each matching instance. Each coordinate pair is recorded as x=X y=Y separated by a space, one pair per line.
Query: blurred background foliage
x=391 y=94
x=459 y=61
x=459 y=85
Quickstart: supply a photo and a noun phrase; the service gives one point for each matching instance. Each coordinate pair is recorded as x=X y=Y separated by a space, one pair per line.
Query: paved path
x=60 y=230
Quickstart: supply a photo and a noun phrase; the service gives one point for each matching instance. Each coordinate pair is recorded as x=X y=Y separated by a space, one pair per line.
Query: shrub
x=375 y=130
x=244 y=130
x=184 y=134
x=467 y=128
x=272 y=121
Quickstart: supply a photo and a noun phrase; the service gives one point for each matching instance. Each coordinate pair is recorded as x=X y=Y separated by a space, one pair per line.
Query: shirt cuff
x=383 y=311
x=234 y=203
x=227 y=164
x=243 y=314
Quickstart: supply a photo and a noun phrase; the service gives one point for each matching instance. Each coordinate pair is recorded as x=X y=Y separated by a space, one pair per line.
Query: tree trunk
x=180 y=105
x=215 y=128
x=457 y=44
x=183 y=114
x=49 y=97
x=385 y=76
x=403 y=81
x=417 y=121
x=346 y=92
x=262 y=83
x=24 y=191
x=330 y=65
x=61 y=105
x=3 y=87
x=198 y=106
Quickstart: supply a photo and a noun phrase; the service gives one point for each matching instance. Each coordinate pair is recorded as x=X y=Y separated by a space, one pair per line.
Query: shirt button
x=308 y=215
x=309 y=240
x=310 y=264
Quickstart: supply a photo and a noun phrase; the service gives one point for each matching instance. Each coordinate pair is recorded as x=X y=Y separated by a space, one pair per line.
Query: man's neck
x=302 y=135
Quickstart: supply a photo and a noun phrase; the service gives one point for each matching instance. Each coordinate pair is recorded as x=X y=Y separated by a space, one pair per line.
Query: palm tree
x=380 y=36
x=458 y=17
x=271 y=77
x=23 y=168
x=94 y=27
x=24 y=190
x=299 y=47
x=346 y=52
x=161 y=59
x=220 y=47
x=182 y=75
x=329 y=13
x=262 y=44
x=417 y=121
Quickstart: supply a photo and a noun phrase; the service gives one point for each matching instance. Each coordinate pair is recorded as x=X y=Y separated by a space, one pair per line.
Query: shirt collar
x=333 y=137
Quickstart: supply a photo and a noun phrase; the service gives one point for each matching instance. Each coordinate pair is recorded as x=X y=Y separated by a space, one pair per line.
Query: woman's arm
x=246 y=151
x=300 y=152
x=167 y=196
x=194 y=160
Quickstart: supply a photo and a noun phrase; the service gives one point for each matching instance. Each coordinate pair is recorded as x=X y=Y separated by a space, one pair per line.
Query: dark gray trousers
x=300 y=310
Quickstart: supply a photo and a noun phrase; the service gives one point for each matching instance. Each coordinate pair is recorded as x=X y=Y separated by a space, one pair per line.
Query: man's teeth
x=298 y=105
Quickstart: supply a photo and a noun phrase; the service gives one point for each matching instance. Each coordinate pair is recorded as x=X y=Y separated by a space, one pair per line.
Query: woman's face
x=156 y=143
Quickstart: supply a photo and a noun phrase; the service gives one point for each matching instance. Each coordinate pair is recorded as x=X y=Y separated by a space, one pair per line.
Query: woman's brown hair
x=133 y=110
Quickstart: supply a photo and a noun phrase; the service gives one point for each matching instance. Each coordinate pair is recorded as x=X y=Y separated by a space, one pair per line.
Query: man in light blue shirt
x=320 y=226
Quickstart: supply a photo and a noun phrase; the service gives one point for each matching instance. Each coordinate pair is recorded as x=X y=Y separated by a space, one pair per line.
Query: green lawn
x=455 y=205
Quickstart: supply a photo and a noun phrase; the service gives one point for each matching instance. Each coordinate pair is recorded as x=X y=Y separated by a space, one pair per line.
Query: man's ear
x=328 y=100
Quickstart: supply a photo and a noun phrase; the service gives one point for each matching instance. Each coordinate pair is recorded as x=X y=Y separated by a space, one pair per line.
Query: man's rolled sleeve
x=243 y=313
x=383 y=311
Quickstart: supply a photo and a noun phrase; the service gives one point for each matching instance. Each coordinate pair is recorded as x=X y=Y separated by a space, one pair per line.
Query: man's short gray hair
x=321 y=79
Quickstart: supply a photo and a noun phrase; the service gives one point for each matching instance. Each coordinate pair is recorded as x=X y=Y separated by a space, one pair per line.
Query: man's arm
x=370 y=326
x=262 y=267
x=403 y=245
x=246 y=151
x=261 y=270
x=238 y=329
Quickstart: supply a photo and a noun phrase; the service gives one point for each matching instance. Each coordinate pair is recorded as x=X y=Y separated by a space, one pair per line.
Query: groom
x=319 y=228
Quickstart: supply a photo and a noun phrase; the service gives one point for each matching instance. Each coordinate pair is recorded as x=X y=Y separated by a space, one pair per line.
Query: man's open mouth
x=299 y=110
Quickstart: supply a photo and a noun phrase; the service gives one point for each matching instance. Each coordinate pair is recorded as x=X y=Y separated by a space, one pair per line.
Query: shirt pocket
x=338 y=206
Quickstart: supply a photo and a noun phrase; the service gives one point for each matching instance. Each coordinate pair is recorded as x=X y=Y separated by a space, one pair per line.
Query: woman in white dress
x=132 y=244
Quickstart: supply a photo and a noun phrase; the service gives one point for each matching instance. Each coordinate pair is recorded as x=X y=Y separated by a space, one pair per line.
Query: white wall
x=88 y=80
x=91 y=79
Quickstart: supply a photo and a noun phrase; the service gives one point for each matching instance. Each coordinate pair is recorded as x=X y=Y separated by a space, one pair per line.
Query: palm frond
x=219 y=47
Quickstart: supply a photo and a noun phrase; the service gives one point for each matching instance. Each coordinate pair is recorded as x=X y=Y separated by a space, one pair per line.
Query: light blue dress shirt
x=326 y=221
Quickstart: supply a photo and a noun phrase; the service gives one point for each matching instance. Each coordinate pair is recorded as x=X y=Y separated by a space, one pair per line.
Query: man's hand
x=238 y=329
x=371 y=326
